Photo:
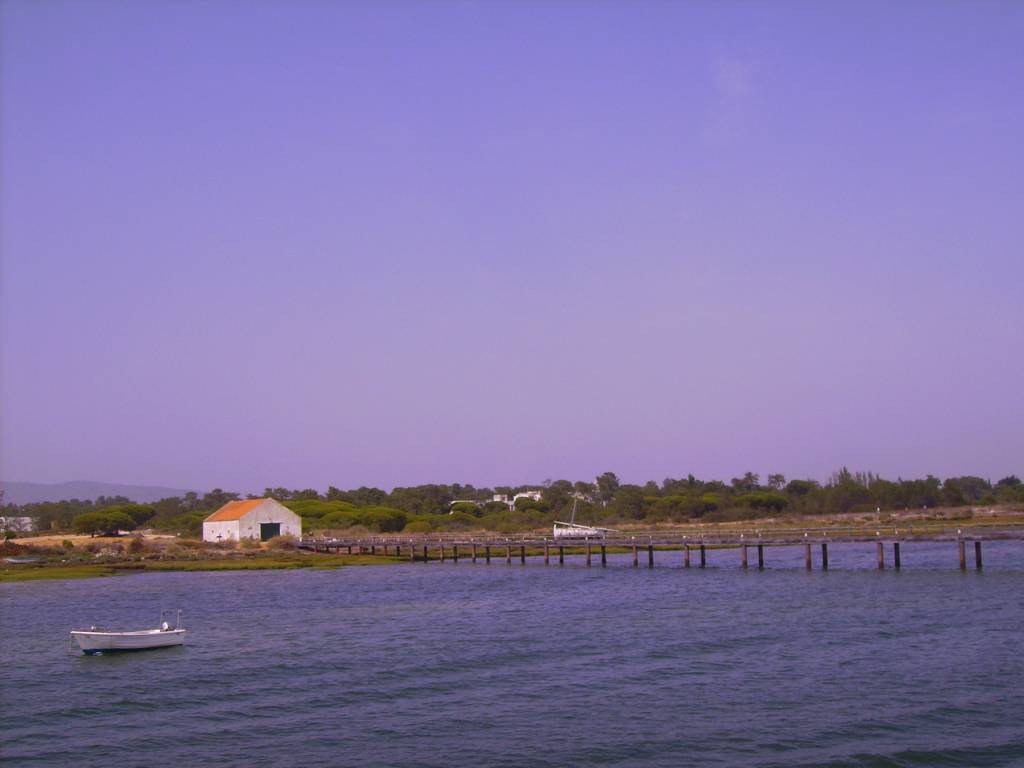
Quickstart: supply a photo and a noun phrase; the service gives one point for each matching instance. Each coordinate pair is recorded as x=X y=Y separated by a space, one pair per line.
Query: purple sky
x=312 y=243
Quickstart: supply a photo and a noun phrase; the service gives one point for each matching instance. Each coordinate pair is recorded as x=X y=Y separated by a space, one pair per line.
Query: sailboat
x=573 y=530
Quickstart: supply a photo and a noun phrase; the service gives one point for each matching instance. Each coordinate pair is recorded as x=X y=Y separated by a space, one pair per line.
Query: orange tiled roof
x=234 y=510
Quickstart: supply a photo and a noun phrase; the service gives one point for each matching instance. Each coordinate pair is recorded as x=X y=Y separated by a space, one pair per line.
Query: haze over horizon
x=315 y=244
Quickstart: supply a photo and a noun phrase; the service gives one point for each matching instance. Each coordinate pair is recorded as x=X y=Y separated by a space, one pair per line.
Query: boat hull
x=105 y=642
x=576 y=531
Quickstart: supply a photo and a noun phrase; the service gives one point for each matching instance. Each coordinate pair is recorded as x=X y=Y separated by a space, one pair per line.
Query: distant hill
x=30 y=493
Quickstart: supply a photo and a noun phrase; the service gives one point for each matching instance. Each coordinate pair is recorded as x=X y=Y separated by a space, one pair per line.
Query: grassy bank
x=56 y=570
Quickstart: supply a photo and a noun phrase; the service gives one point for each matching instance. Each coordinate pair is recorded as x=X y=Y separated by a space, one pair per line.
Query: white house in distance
x=259 y=519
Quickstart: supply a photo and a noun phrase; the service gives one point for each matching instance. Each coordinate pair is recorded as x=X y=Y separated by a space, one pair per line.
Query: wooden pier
x=446 y=547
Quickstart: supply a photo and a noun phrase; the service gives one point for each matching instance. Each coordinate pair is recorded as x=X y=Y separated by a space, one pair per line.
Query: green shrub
x=382 y=519
x=136 y=546
x=418 y=526
x=774 y=502
x=732 y=515
x=525 y=504
x=313 y=508
x=104 y=523
x=140 y=513
x=466 y=508
x=338 y=519
x=459 y=521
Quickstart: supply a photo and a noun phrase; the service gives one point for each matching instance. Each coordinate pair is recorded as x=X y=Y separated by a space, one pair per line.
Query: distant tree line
x=606 y=501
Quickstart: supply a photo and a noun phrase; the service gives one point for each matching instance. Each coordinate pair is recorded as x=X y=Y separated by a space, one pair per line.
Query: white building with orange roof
x=260 y=519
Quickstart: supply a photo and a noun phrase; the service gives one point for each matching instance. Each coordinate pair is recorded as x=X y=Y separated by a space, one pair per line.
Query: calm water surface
x=466 y=665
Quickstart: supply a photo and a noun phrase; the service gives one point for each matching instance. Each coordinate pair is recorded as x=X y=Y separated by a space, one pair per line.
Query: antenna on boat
x=572 y=518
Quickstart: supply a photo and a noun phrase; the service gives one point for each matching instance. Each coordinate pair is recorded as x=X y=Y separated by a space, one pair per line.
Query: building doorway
x=269 y=531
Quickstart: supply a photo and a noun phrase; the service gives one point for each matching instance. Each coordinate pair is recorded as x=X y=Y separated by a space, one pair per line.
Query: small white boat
x=573 y=530
x=94 y=641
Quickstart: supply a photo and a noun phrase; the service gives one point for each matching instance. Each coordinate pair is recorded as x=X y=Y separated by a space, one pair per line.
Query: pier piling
x=449 y=547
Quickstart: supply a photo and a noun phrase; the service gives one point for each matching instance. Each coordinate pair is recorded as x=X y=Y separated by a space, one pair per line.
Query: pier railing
x=486 y=545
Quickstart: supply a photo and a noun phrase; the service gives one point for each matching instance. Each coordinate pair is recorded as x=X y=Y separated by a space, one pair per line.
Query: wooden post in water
x=398 y=550
x=650 y=555
x=808 y=563
x=561 y=555
x=442 y=553
x=588 y=554
x=881 y=556
x=636 y=559
x=508 y=554
x=760 y=557
x=977 y=555
x=522 y=554
x=896 y=555
x=547 y=555
x=703 y=556
x=686 y=555
x=455 y=553
x=743 y=556
x=425 y=557
x=487 y=553
x=473 y=545
x=962 y=546
x=824 y=555
x=604 y=556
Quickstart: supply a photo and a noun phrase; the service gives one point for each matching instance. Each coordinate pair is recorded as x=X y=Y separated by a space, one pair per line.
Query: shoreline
x=44 y=571
x=162 y=552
